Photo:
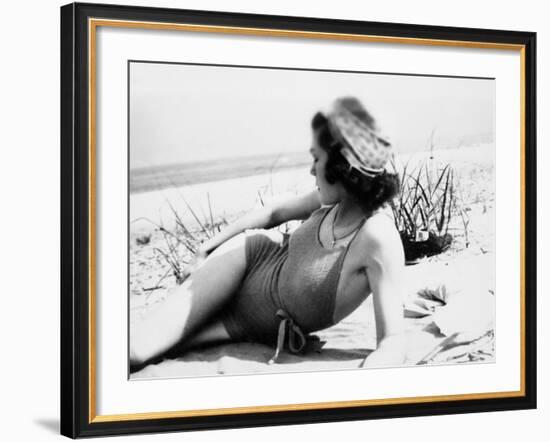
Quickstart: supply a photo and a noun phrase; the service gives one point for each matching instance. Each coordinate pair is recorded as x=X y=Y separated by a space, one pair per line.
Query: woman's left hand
x=391 y=351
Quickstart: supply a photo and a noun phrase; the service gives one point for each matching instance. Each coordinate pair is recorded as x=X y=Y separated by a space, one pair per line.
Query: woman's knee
x=272 y=236
x=221 y=272
x=232 y=245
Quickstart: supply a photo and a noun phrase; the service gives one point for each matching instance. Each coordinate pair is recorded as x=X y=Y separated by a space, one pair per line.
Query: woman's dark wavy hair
x=370 y=192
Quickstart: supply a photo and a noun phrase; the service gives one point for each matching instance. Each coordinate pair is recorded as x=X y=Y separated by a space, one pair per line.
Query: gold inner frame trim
x=92 y=28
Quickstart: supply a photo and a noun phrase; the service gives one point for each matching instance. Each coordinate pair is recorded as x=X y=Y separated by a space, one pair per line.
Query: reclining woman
x=253 y=284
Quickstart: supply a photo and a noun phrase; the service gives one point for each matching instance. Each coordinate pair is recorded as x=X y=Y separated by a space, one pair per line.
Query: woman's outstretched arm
x=296 y=207
x=385 y=264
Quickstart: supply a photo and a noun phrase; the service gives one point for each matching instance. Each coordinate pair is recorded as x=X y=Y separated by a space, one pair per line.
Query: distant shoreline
x=154 y=178
x=177 y=175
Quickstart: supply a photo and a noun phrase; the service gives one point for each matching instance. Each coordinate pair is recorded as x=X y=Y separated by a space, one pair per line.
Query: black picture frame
x=77 y=405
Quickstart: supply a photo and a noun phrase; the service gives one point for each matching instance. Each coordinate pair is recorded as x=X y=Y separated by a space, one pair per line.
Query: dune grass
x=427 y=201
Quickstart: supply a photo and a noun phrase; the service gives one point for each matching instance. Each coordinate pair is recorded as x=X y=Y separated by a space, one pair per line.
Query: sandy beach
x=462 y=331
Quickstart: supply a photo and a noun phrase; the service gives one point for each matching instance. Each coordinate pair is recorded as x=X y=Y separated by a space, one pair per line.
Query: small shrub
x=424 y=208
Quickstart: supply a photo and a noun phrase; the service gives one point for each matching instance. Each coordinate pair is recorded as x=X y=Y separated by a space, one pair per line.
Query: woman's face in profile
x=329 y=193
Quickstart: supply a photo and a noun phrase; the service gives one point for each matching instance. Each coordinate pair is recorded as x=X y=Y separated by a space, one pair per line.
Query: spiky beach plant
x=424 y=208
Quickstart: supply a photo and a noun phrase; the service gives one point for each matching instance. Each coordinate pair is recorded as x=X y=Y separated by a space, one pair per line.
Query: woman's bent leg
x=212 y=333
x=191 y=305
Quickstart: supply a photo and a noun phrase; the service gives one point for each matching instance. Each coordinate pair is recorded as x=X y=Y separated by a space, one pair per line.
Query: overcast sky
x=183 y=113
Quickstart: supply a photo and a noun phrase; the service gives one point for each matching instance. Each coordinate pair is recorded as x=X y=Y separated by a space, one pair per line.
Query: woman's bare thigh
x=190 y=305
x=213 y=333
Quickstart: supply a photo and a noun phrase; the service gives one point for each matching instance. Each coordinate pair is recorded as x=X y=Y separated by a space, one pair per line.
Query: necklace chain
x=334 y=238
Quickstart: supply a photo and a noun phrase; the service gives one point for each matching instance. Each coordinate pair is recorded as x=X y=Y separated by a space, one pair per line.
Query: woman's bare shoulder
x=379 y=224
x=379 y=234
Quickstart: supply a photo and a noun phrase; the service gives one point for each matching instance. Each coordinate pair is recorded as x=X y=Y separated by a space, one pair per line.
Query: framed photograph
x=273 y=220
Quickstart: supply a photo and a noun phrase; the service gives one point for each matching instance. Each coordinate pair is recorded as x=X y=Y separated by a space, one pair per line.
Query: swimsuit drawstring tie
x=296 y=338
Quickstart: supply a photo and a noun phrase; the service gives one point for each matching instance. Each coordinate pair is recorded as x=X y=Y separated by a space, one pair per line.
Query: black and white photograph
x=299 y=220
x=274 y=221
